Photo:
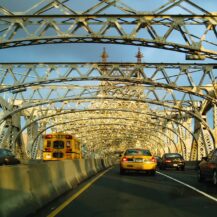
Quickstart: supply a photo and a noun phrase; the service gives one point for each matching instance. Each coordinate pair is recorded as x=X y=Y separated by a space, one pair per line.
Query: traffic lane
x=136 y=195
x=190 y=177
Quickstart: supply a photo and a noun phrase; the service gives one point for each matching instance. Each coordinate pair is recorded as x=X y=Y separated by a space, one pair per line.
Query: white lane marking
x=189 y=186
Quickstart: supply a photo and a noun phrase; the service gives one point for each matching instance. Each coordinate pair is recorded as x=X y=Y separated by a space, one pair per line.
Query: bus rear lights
x=48 y=149
x=68 y=150
x=49 y=136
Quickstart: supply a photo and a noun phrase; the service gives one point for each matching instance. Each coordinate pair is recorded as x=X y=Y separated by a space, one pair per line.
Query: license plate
x=129 y=165
x=175 y=165
x=139 y=160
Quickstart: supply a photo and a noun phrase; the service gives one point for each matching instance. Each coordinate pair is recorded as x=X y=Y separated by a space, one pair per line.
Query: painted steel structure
x=110 y=105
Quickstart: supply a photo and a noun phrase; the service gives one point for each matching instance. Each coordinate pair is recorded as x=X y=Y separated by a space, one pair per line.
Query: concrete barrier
x=15 y=191
x=27 y=187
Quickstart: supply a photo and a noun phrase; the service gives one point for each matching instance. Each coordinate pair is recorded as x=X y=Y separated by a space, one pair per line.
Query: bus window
x=58 y=144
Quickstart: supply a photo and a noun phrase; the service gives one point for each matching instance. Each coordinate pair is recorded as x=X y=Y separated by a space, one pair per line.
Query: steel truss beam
x=125 y=138
x=96 y=145
x=109 y=113
x=138 y=29
x=132 y=88
x=104 y=6
x=132 y=128
x=125 y=78
x=196 y=116
x=100 y=118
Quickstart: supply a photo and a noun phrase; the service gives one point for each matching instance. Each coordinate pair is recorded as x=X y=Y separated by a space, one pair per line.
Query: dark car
x=7 y=157
x=159 y=161
x=208 y=168
x=172 y=160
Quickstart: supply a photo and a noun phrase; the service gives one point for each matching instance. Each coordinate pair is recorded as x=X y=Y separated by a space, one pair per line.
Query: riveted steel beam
x=35 y=29
x=147 y=131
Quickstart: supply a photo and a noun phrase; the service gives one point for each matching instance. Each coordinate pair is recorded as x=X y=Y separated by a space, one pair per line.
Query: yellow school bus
x=61 y=146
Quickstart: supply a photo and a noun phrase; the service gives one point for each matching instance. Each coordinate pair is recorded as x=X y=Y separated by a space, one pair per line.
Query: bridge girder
x=137 y=29
x=112 y=92
x=99 y=120
x=118 y=127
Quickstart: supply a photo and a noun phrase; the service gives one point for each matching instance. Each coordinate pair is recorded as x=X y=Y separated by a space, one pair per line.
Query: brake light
x=49 y=136
x=68 y=150
x=68 y=136
x=153 y=159
x=211 y=165
x=168 y=161
x=124 y=159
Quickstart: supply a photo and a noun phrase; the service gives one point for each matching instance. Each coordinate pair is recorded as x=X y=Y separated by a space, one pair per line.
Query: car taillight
x=124 y=159
x=211 y=165
x=153 y=159
x=168 y=161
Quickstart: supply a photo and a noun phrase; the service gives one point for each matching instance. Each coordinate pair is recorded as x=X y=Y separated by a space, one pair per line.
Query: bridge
x=110 y=105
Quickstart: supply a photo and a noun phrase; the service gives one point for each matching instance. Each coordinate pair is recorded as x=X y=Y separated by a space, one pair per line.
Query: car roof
x=168 y=154
x=5 y=149
x=139 y=149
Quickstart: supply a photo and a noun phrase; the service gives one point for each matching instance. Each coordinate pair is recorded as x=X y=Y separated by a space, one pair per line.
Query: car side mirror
x=205 y=158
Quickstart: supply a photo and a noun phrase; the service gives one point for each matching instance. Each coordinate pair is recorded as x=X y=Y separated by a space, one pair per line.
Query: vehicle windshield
x=173 y=156
x=5 y=152
x=137 y=152
x=2 y=154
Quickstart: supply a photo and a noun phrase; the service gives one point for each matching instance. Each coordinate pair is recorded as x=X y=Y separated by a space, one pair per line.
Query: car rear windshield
x=137 y=152
x=173 y=156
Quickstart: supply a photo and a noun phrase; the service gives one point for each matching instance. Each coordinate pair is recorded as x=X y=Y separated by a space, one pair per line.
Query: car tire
x=152 y=172
x=163 y=167
x=182 y=168
x=122 y=171
x=200 y=177
x=214 y=177
x=177 y=168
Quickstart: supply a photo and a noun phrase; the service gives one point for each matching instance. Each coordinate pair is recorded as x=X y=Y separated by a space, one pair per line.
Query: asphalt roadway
x=138 y=194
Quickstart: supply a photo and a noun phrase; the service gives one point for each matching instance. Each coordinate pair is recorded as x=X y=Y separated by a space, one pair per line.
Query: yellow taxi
x=138 y=160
